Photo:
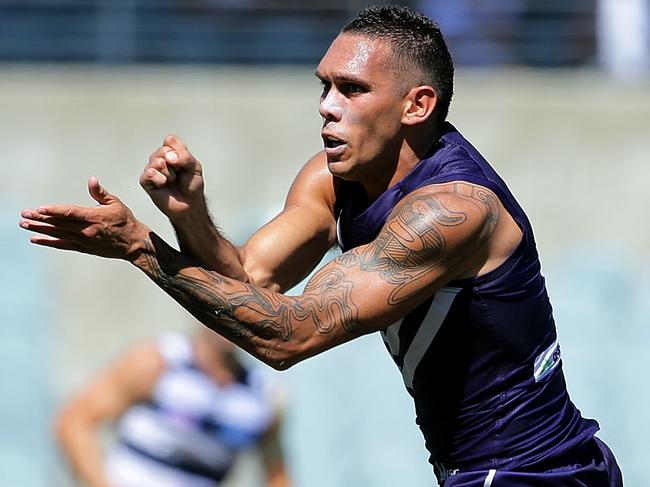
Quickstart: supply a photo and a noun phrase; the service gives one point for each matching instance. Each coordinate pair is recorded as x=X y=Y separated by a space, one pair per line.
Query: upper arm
x=433 y=236
x=129 y=380
x=430 y=238
x=286 y=249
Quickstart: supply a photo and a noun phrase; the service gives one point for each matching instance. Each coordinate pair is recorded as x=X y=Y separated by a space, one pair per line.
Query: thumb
x=98 y=192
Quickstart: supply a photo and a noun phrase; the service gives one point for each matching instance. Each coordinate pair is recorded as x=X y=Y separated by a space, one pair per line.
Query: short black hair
x=416 y=42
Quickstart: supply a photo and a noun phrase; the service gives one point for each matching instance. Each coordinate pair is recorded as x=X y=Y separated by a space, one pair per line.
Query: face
x=361 y=104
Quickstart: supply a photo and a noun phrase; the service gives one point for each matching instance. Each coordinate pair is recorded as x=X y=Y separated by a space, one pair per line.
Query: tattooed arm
x=434 y=235
x=431 y=238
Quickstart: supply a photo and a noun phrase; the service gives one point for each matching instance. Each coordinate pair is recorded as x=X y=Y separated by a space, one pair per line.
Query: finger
x=159 y=153
x=31 y=217
x=66 y=230
x=152 y=179
x=160 y=165
x=56 y=243
x=174 y=142
x=180 y=157
x=183 y=161
x=99 y=193
x=63 y=212
x=34 y=216
x=172 y=156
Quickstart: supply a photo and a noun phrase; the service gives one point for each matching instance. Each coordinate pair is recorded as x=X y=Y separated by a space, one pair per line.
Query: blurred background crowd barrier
x=556 y=95
x=546 y=33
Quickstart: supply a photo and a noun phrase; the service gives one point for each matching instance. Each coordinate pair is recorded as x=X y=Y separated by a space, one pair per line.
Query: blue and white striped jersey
x=191 y=431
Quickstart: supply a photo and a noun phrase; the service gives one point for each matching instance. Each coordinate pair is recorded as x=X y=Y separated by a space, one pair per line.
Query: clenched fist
x=173 y=178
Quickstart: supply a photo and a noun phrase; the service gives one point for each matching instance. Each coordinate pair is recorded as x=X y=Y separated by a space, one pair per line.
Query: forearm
x=275 y=328
x=199 y=238
x=272 y=458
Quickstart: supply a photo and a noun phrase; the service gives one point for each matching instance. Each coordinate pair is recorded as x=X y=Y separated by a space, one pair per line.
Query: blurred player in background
x=185 y=408
x=438 y=256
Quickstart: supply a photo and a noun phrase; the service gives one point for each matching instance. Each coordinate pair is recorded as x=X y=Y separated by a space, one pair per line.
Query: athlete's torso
x=480 y=357
x=189 y=434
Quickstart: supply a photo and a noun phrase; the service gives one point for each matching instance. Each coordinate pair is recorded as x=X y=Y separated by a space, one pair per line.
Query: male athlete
x=184 y=408
x=438 y=257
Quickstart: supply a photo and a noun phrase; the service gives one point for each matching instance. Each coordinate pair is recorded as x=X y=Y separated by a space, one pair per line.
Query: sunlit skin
x=381 y=117
x=371 y=109
x=378 y=123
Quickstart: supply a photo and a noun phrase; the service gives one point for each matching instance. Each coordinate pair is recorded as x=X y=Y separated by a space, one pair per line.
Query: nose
x=330 y=108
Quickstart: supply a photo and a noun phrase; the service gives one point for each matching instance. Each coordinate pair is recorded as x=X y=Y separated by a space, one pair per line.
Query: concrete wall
x=573 y=147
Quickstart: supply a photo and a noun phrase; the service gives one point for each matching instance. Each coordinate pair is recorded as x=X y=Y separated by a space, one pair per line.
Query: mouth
x=334 y=146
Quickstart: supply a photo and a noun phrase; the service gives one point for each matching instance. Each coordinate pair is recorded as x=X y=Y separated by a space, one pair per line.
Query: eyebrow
x=340 y=77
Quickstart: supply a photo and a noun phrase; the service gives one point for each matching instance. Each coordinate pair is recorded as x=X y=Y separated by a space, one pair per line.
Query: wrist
x=195 y=227
x=140 y=243
x=196 y=215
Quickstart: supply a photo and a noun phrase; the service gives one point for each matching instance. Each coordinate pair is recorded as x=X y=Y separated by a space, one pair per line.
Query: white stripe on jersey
x=427 y=331
x=391 y=337
x=338 y=232
x=489 y=478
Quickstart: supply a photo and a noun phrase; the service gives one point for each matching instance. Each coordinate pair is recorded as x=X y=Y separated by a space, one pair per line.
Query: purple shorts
x=591 y=465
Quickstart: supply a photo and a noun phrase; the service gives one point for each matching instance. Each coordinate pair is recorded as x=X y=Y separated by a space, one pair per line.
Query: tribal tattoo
x=411 y=245
x=247 y=314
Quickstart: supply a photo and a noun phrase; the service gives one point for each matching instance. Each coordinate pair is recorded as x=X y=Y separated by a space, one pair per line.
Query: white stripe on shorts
x=490 y=477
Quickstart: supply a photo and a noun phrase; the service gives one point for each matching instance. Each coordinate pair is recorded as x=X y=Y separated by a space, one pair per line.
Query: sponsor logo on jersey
x=547 y=361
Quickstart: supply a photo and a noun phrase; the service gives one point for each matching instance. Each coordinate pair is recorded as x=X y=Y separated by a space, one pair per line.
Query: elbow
x=282 y=356
x=258 y=273
x=281 y=361
x=69 y=424
x=280 y=365
x=63 y=424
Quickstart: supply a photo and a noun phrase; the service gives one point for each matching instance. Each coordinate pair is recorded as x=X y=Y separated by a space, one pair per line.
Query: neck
x=413 y=149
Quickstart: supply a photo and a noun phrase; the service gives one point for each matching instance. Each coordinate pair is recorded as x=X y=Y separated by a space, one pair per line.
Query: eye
x=351 y=89
x=326 y=85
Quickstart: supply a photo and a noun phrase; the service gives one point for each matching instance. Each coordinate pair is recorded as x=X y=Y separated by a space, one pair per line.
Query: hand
x=107 y=230
x=173 y=178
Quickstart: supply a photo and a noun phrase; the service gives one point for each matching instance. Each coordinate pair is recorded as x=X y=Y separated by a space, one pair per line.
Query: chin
x=340 y=169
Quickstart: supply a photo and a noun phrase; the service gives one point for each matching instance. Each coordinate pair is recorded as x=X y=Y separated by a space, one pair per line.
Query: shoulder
x=442 y=229
x=135 y=372
x=144 y=355
x=314 y=184
x=174 y=348
x=464 y=206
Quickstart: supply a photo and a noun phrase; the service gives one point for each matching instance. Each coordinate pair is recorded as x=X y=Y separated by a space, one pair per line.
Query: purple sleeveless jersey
x=481 y=357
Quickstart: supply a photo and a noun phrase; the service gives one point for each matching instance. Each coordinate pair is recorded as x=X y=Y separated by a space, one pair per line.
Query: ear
x=420 y=103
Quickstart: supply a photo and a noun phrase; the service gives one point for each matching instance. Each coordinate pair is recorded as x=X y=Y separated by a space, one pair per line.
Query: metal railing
x=484 y=32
